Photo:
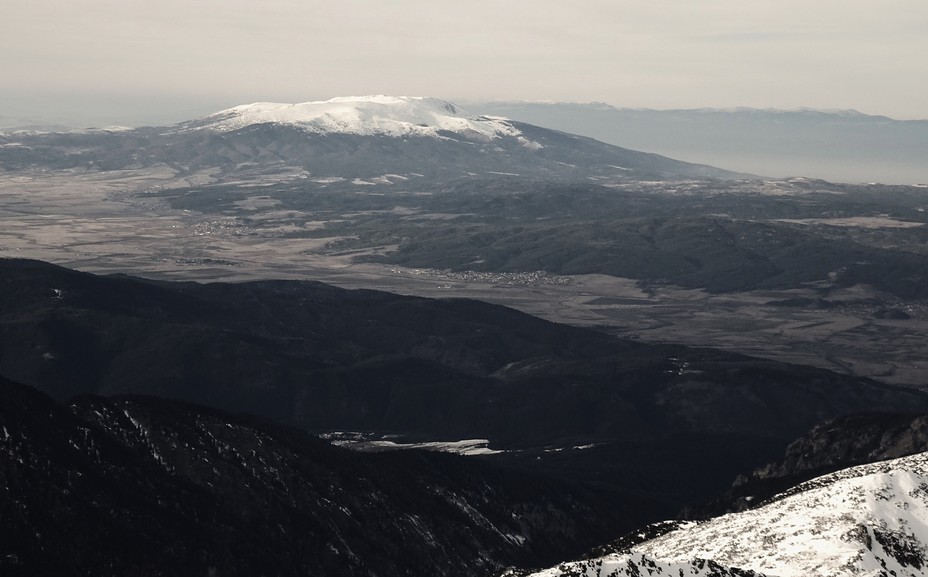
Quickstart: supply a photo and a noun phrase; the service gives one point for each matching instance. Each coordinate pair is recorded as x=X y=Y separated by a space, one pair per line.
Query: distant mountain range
x=841 y=146
x=365 y=137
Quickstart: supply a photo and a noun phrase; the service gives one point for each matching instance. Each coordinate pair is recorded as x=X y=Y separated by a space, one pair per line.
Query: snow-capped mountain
x=420 y=139
x=866 y=520
x=398 y=116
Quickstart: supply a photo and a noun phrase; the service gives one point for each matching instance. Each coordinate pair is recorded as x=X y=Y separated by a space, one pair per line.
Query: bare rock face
x=838 y=443
x=851 y=440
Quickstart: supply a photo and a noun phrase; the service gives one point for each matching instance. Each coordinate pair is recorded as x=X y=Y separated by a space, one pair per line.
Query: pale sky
x=181 y=58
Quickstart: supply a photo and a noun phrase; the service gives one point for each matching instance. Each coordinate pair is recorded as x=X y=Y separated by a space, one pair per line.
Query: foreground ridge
x=866 y=520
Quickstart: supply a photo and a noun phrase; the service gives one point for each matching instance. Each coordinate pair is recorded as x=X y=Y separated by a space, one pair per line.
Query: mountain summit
x=367 y=116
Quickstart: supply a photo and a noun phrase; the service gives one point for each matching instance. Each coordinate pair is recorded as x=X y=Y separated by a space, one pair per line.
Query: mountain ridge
x=870 y=519
x=604 y=106
x=839 y=146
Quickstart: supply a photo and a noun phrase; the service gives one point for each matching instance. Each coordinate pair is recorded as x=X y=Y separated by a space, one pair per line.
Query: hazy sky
x=180 y=58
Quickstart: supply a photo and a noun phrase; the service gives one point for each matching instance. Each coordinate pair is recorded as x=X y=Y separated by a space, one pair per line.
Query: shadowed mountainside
x=326 y=359
x=143 y=486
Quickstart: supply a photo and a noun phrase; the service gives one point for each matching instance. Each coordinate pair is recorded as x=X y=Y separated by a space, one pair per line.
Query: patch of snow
x=146 y=435
x=868 y=222
x=464 y=447
x=114 y=128
x=530 y=144
x=365 y=442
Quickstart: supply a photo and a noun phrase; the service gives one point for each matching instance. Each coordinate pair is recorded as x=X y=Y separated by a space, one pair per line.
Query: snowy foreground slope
x=867 y=520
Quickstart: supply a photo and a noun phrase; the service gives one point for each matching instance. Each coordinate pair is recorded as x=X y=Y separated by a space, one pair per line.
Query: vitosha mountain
x=354 y=137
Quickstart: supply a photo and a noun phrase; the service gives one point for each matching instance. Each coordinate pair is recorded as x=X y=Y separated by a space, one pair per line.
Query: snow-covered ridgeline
x=396 y=116
x=868 y=520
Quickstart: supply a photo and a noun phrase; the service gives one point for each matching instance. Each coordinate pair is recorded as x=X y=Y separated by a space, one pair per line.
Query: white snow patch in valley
x=463 y=447
x=365 y=442
x=870 y=222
